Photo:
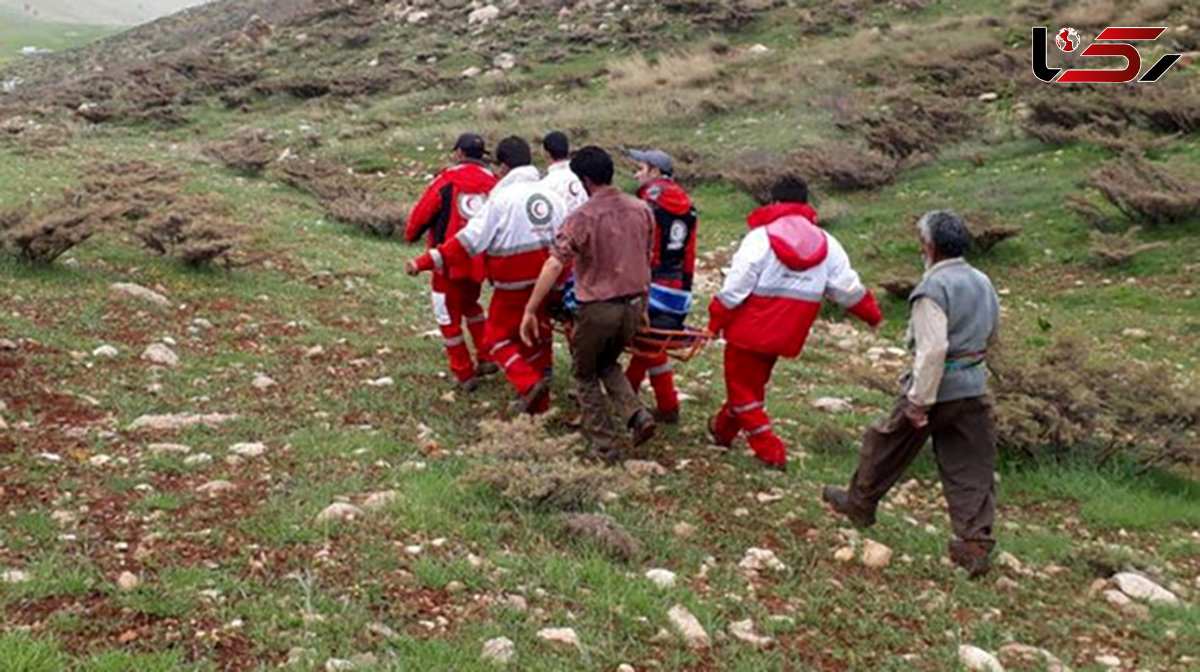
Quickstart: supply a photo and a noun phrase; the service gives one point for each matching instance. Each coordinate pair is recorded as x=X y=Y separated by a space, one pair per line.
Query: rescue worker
x=559 y=177
x=780 y=273
x=610 y=242
x=513 y=232
x=955 y=318
x=672 y=267
x=454 y=196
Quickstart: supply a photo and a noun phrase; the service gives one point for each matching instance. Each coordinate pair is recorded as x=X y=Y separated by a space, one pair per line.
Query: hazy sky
x=98 y=12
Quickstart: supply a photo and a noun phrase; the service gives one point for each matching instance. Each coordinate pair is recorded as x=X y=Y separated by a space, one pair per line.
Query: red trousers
x=459 y=303
x=662 y=379
x=746 y=376
x=522 y=365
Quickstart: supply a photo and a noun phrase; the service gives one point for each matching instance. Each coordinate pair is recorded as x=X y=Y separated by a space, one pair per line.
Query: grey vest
x=972 y=311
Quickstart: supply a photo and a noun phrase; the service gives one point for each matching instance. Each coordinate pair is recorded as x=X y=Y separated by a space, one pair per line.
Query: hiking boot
x=530 y=400
x=485 y=369
x=469 y=385
x=714 y=436
x=971 y=557
x=670 y=417
x=839 y=500
x=643 y=427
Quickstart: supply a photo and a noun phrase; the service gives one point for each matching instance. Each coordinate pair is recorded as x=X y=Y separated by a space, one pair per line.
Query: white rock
x=1141 y=588
x=484 y=15
x=201 y=323
x=339 y=511
x=14 y=576
x=379 y=500
x=663 y=578
x=688 y=627
x=248 y=450
x=173 y=421
x=99 y=460
x=744 y=631
x=757 y=559
x=50 y=457
x=339 y=665
x=1135 y=333
x=471 y=73
x=1117 y=599
x=314 y=351
x=876 y=555
x=214 y=488
x=844 y=554
x=625 y=667
x=1009 y=561
x=157 y=353
x=978 y=660
x=759 y=50
x=64 y=518
x=833 y=405
x=500 y=650
x=505 y=61
x=645 y=468
x=1032 y=654
x=168 y=448
x=990 y=96
x=131 y=290
x=516 y=602
x=565 y=636
x=417 y=17
x=1108 y=661
x=106 y=351
x=768 y=497
x=197 y=459
x=385 y=381
x=263 y=382
x=7 y=344
x=685 y=530
x=128 y=581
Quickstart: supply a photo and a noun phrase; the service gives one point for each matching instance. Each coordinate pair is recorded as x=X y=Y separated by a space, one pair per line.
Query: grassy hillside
x=268 y=136
x=17 y=32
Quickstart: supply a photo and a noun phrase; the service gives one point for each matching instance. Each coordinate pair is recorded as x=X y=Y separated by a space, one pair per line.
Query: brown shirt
x=610 y=239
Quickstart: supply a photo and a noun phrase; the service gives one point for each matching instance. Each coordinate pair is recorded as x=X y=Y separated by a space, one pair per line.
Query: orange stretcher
x=680 y=344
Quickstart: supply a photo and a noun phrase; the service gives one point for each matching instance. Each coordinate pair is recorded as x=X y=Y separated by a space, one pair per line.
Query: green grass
x=18 y=32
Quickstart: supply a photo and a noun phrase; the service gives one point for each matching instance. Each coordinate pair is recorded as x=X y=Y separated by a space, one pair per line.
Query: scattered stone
x=1007 y=584
x=484 y=15
x=339 y=665
x=197 y=459
x=768 y=497
x=989 y=97
x=759 y=50
x=757 y=559
x=471 y=73
x=565 y=636
x=876 y=555
x=382 y=630
x=379 y=500
x=7 y=344
x=99 y=460
x=417 y=17
x=1009 y=561
x=64 y=518
x=1108 y=661
x=105 y=351
x=1141 y=588
x=844 y=554
x=248 y=450
x=645 y=468
x=263 y=382
x=12 y=576
x=505 y=61
x=744 y=631
x=168 y=448
x=385 y=381
x=1032 y=654
x=516 y=602
x=130 y=290
x=500 y=651
x=1135 y=333
x=215 y=488
x=314 y=351
x=339 y=511
x=688 y=627
x=157 y=353
x=833 y=405
x=625 y=667
x=663 y=578
x=685 y=530
x=978 y=660
x=128 y=581
x=174 y=421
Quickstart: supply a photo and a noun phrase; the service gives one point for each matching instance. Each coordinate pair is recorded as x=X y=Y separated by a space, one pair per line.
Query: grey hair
x=946 y=231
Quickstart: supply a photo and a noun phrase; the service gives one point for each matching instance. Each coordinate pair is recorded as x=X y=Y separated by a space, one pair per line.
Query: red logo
x=1120 y=37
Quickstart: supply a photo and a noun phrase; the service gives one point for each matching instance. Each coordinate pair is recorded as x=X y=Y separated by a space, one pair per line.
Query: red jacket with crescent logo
x=674 y=233
x=780 y=273
x=455 y=195
x=513 y=232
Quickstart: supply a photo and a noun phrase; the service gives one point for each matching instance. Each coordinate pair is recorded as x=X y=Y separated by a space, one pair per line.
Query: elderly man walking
x=610 y=241
x=955 y=315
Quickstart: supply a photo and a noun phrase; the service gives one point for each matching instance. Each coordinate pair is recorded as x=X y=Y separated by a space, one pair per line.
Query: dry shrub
x=137 y=188
x=532 y=468
x=249 y=155
x=1091 y=15
x=1065 y=403
x=1110 y=249
x=1146 y=192
x=636 y=75
x=195 y=239
x=899 y=288
x=324 y=179
x=603 y=531
x=43 y=238
x=846 y=168
x=370 y=212
x=912 y=124
x=754 y=171
x=987 y=231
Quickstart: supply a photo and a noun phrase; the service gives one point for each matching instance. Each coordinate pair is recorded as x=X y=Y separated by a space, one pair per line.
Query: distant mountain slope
x=97 y=12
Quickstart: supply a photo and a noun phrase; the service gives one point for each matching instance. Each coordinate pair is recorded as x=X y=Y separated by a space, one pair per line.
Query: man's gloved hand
x=411 y=267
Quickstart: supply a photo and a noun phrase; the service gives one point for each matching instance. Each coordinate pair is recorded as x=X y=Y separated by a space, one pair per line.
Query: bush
x=42 y=239
x=370 y=212
x=987 y=232
x=1146 y=192
x=1110 y=249
x=248 y=155
x=846 y=168
x=196 y=240
x=911 y=125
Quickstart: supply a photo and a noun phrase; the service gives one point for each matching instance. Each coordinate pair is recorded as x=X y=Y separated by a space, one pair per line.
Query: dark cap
x=655 y=157
x=471 y=144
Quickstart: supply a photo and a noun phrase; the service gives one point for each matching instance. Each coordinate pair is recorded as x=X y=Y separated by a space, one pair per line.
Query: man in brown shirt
x=610 y=240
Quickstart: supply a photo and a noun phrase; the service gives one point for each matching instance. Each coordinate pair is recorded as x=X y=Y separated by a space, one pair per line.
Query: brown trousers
x=602 y=331
x=964 y=443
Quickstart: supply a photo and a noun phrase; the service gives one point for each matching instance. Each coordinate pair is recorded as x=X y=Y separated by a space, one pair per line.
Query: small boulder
x=379 y=500
x=385 y=381
x=339 y=511
x=744 y=631
x=105 y=351
x=130 y=290
x=833 y=405
x=977 y=660
x=215 y=488
x=500 y=651
x=685 y=530
x=168 y=449
x=645 y=468
x=989 y=97
x=757 y=559
x=844 y=554
x=876 y=555
x=484 y=15
x=688 y=627
x=13 y=576
x=263 y=382
x=157 y=353
x=505 y=61
x=564 y=636
x=1141 y=588
x=248 y=450
x=128 y=581
x=663 y=578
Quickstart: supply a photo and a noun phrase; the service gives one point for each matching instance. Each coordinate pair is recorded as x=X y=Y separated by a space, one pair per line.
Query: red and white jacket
x=566 y=184
x=781 y=272
x=449 y=202
x=513 y=232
